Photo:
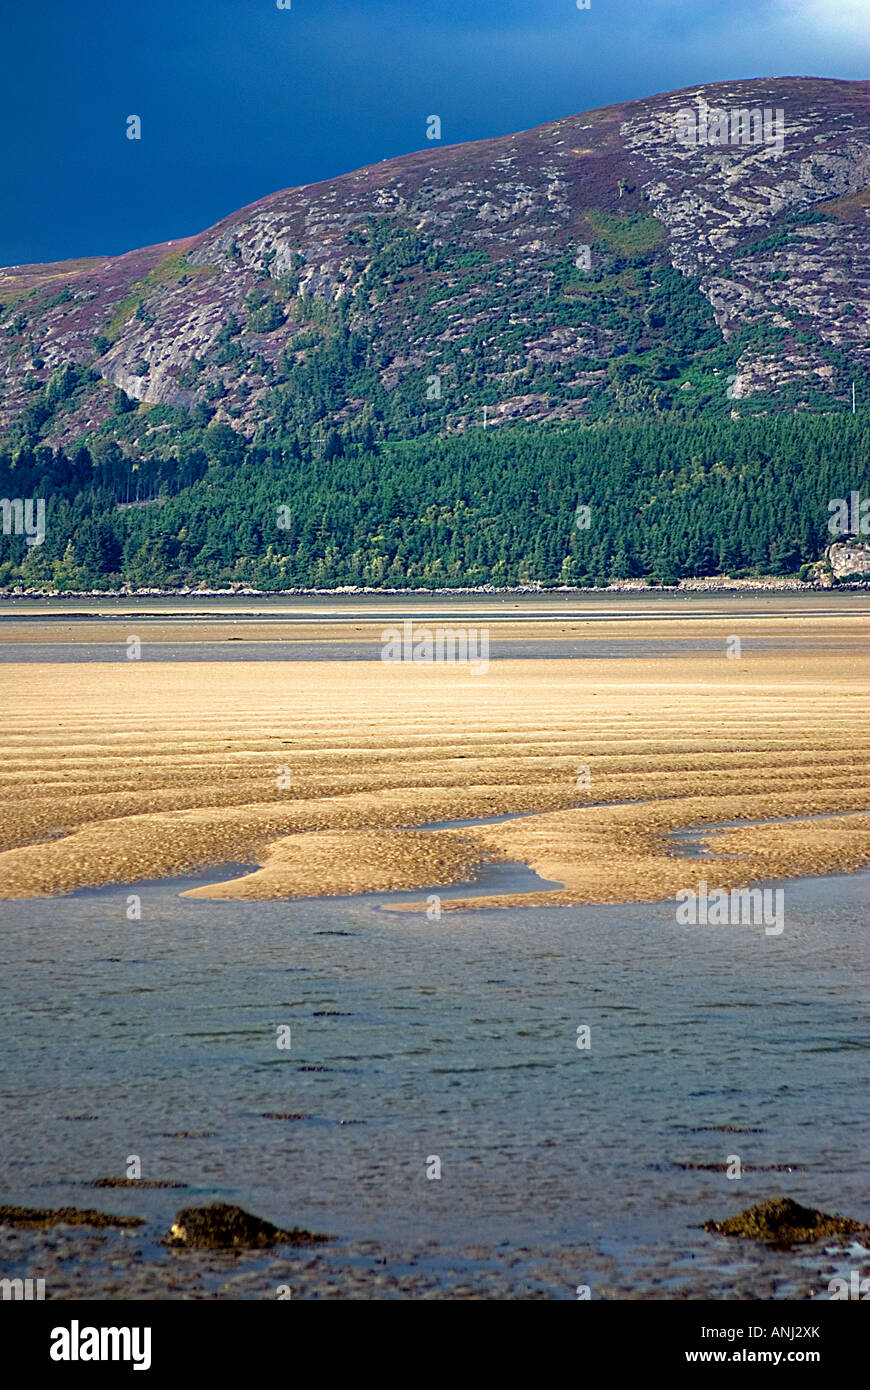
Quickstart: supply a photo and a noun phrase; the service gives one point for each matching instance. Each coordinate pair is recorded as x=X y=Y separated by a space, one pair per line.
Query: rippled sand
x=121 y=770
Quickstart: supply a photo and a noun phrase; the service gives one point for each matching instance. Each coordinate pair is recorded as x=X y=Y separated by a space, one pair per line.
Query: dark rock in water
x=224 y=1227
x=782 y=1221
x=40 y=1218
x=133 y=1182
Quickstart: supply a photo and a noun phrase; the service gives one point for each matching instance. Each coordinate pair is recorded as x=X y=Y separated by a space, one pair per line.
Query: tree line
x=501 y=506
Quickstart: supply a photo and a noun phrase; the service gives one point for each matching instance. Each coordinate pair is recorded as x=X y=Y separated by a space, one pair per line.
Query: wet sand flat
x=318 y=773
x=808 y=631
x=802 y=619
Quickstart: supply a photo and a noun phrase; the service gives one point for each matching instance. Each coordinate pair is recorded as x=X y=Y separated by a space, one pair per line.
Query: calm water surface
x=413 y=1039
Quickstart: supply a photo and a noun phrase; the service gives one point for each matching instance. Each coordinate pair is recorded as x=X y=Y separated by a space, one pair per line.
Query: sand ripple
x=119 y=771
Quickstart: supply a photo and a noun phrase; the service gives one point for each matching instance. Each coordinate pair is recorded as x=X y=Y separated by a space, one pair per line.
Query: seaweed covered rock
x=134 y=1182
x=222 y=1226
x=782 y=1221
x=41 y=1218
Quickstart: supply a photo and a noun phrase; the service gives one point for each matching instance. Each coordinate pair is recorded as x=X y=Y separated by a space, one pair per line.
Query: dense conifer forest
x=549 y=505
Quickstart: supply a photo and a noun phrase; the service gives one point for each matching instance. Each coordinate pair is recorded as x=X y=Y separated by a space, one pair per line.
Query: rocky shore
x=718 y=583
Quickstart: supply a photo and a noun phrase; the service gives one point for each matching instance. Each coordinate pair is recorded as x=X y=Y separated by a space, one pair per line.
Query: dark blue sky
x=238 y=98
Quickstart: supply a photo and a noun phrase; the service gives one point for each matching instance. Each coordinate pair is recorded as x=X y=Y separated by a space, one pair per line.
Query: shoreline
x=708 y=584
x=489 y=874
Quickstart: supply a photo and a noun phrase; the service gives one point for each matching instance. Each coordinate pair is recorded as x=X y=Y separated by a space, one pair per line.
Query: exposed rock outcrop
x=222 y=1226
x=782 y=1221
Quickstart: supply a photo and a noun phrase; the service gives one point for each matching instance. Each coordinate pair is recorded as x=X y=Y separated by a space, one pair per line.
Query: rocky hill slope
x=598 y=265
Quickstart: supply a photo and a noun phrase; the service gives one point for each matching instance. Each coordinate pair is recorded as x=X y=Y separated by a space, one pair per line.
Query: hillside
x=404 y=298
x=584 y=352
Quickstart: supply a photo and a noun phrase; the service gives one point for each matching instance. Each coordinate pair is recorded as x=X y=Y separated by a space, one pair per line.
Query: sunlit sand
x=317 y=773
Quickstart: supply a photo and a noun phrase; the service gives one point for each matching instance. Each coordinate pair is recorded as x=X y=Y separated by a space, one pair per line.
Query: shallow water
x=235 y=649
x=474 y=610
x=412 y=1039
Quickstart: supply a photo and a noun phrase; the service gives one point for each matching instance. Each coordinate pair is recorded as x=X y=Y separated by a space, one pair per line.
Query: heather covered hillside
x=593 y=267
x=413 y=375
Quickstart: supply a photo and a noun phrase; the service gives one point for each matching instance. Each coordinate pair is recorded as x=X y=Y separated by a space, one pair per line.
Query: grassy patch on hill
x=173 y=269
x=632 y=235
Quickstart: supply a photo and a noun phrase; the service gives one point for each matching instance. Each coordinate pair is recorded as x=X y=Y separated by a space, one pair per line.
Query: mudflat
x=319 y=773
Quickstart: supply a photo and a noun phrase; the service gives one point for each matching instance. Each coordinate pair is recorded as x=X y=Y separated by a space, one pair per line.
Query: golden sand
x=118 y=771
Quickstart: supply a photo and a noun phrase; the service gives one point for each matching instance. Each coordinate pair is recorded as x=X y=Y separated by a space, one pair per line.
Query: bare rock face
x=453 y=253
x=222 y=1226
x=785 y=1222
x=847 y=558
